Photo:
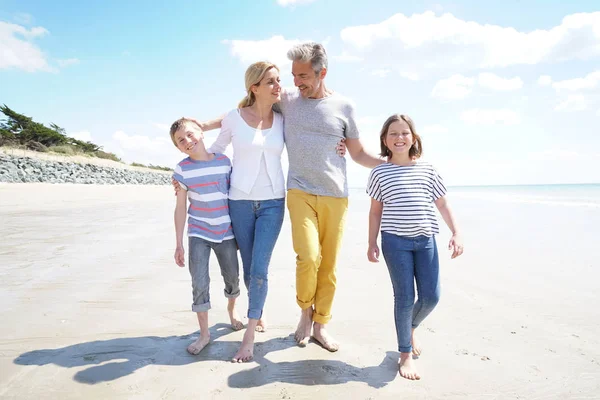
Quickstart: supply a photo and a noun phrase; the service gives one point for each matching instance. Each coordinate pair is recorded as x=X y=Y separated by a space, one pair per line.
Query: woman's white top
x=257 y=172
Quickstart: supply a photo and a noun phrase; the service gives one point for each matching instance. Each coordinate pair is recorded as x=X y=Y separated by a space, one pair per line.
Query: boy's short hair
x=177 y=125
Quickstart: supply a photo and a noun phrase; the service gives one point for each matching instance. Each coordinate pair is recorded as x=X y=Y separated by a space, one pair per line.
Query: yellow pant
x=317 y=228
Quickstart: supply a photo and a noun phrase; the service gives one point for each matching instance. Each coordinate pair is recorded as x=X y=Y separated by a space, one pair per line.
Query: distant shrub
x=134 y=164
x=65 y=149
x=160 y=167
x=36 y=146
x=107 y=155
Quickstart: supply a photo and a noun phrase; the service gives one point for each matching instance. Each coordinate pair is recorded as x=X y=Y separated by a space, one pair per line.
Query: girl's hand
x=373 y=253
x=456 y=245
x=179 y=256
x=341 y=147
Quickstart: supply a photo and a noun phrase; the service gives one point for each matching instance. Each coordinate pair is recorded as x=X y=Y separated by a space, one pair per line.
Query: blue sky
x=501 y=93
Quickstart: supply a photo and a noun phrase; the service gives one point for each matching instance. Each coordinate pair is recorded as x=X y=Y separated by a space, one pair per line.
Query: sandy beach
x=93 y=306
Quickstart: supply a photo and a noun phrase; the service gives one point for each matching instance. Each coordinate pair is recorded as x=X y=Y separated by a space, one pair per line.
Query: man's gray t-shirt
x=312 y=130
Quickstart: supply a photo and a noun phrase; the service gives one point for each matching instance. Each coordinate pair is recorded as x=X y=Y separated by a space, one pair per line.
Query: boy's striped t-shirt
x=207 y=185
x=407 y=194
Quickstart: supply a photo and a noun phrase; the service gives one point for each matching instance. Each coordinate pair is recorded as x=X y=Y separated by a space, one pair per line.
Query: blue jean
x=256 y=226
x=410 y=260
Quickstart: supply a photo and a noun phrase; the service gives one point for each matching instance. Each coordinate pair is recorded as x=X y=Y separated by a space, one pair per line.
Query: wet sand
x=92 y=306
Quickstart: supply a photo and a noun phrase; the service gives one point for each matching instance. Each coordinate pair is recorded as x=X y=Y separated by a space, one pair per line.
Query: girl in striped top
x=403 y=192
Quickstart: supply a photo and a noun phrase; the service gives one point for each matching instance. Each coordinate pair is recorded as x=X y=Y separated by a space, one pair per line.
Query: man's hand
x=373 y=253
x=180 y=256
x=341 y=147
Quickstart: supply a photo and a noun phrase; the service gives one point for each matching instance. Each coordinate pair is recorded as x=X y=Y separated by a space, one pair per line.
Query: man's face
x=306 y=80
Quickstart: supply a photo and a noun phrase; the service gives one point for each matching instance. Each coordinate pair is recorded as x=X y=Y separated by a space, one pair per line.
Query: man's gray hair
x=311 y=51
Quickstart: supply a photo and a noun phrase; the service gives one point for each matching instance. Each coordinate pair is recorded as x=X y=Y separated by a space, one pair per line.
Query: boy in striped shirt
x=204 y=178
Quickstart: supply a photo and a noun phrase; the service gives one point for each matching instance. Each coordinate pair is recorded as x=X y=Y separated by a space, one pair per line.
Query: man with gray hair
x=315 y=119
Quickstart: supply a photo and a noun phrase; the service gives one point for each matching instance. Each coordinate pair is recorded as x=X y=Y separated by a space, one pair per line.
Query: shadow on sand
x=109 y=360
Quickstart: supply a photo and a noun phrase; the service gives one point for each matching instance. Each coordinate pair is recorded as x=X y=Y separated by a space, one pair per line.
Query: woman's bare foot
x=246 y=350
x=406 y=367
x=261 y=326
x=324 y=339
x=234 y=318
x=304 y=328
x=200 y=343
x=416 y=344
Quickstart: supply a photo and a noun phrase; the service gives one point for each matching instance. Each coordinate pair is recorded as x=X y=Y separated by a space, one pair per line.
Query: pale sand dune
x=92 y=306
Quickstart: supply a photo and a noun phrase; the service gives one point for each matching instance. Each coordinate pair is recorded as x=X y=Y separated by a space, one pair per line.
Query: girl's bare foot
x=196 y=347
x=304 y=328
x=324 y=339
x=416 y=344
x=246 y=350
x=407 y=368
x=261 y=326
x=234 y=318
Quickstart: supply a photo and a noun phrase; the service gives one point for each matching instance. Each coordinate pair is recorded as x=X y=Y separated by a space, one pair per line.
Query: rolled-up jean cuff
x=321 y=319
x=233 y=295
x=254 y=314
x=201 y=307
x=405 y=349
x=305 y=304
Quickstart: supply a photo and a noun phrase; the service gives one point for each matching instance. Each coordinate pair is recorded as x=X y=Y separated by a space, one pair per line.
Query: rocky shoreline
x=22 y=169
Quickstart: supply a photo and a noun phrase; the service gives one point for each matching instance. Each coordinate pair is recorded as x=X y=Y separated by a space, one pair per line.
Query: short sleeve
x=178 y=176
x=438 y=188
x=373 y=186
x=351 y=131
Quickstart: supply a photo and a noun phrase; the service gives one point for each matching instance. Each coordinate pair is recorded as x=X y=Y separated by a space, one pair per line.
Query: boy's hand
x=176 y=185
x=179 y=256
x=373 y=253
x=456 y=245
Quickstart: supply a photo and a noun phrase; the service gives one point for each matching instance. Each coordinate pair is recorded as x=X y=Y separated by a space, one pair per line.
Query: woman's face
x=269 y=88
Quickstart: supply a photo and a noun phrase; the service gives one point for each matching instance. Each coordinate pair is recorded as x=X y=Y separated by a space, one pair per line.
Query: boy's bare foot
x=416 y=344
x=261 y=326
x=234 y=318
x=246 y=350
x=324 y=339
x=200 y=343
x=304 y=328
x=406 y=367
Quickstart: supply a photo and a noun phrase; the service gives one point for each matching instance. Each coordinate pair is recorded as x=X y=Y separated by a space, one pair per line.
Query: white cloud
x=382 y=73
x=544 y=80
x=17 y=50
x=68 y=61
x=434 y=129
x=285 y=3
x=144 y=149
x=494 y=82
x=85 y=136
x=346 y=57
x=479 y=116
x=573 y=102
x=429 y=41
x=590 y=81
x=455 y=87
x=274 y=50
x=459 y=86
x=161 y=127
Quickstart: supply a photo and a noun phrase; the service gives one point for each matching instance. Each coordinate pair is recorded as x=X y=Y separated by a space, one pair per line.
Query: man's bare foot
x=406 y=367
x=416 y=344
x=261 y=326
x=234 y=318
x=246 y=350
x=324 y=339
x=200 y=343
x=304 y=328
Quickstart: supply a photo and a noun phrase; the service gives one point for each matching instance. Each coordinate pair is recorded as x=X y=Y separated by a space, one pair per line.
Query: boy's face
x=188 y=137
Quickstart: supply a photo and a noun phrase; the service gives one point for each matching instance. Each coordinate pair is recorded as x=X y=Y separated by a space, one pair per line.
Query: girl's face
x=399 y=139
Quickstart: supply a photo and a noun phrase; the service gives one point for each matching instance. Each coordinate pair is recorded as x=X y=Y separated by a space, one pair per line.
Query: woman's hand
x=373 y=253
x=456 y=245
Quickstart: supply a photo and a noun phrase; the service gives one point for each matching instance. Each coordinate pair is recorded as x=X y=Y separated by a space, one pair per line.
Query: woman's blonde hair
x=415 y=150
x=254 y=74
